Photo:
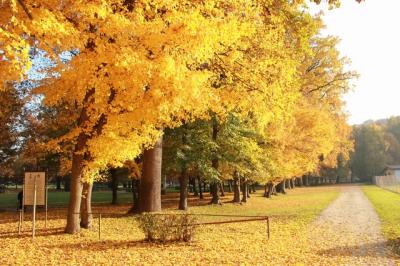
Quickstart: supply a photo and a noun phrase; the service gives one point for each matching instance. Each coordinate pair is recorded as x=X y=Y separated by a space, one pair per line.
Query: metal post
x=268 y=232
x=19 y=222
x=99 y=226
x=45 y=221
x=34 y=210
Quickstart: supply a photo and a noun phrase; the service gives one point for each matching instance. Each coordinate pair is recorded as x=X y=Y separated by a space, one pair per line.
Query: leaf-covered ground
x=122 y=242
x=387 y=205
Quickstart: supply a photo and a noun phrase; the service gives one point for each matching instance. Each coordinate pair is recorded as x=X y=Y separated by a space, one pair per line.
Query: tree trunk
x=73 y=224
x=287 y=185
x=300 y=180
x=214 y=162
x=221 y=188
x=163 y=185
x=78 y=159
x=269 y=189
x=230 y=186
x=135 y=196
x=214 y=193
x=114 y=185
x=200 y=187
x=306 y=181
x=183 y=189
x=245 y=192
x=194 y=187
x=67 y=183
x=86 y=206
x=150 y=185
x=292 y=183
x=58 y=182
x=236 y=189
x=281 y=188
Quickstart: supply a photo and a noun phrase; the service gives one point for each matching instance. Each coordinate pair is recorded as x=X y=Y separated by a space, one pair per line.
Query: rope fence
x=247 y=218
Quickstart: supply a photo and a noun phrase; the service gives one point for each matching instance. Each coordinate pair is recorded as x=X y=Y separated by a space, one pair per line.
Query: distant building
x=393 y=170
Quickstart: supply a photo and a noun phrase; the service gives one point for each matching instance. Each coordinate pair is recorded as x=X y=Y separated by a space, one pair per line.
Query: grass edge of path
x=387 y=205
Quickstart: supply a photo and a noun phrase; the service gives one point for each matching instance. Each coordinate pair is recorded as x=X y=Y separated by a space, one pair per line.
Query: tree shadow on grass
x=379 y=249
x=103 y=245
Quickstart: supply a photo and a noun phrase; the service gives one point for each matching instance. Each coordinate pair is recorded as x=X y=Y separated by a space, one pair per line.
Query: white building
x=393 y=170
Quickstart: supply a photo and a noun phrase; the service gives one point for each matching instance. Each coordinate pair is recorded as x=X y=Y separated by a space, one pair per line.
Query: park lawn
x=229 y=244
x=60 y=198
x=387 y=205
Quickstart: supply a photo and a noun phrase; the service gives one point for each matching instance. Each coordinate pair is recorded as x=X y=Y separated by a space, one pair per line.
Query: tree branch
x=25 y=9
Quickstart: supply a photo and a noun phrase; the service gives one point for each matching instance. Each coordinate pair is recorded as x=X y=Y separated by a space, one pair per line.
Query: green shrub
x=167 y=227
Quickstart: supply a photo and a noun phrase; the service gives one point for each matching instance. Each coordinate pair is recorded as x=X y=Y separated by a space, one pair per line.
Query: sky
x=370 y=37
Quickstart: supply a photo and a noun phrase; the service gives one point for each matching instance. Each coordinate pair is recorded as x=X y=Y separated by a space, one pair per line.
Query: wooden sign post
x=34 y=194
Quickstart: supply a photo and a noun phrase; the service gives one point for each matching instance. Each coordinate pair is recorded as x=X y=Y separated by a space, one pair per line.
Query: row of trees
x=246 y=91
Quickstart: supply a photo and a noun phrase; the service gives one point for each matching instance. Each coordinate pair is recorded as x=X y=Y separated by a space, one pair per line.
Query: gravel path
x=348 y=232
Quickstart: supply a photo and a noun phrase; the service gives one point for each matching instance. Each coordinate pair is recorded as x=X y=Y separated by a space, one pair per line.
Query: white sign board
x=29 y=188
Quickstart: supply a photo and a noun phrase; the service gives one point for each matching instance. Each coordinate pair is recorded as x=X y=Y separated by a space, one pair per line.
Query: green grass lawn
x=60 y=198
x=387 y=205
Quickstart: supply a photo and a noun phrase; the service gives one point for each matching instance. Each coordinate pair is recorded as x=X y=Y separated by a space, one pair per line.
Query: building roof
x=393 y=167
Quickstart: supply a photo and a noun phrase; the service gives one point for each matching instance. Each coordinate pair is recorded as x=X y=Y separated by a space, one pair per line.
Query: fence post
x=99 y=226
x=20 y=222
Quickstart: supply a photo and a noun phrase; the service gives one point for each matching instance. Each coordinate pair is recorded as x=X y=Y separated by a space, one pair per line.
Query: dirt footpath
x=348 y=232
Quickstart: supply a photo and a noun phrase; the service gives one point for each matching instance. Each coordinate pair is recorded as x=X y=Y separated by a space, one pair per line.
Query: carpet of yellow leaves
x=230 y=244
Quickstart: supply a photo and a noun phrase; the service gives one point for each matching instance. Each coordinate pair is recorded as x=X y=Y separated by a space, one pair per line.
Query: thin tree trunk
x=269 y=189
x=200 y=187
x=230 y=186
x=163 y=185
x=58 y=182
x=214 y=189
x=135 y=196
x=288 y=184
x=67 y=183
x=245 y=192
x=281 y=188
x=221 y=188
x=236 y=189
x=300 y=181
x=183 y=189
x=150 y=185
x=195 y=191
x=306 y=181
x=214 y=192
x=292 y=183
x=86 y=206
x=114 y=185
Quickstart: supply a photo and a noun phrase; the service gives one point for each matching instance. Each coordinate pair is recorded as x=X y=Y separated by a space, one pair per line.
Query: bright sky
x=370 y=34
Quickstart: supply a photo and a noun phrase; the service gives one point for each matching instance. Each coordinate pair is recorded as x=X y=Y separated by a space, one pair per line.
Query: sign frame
x=35 y=188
